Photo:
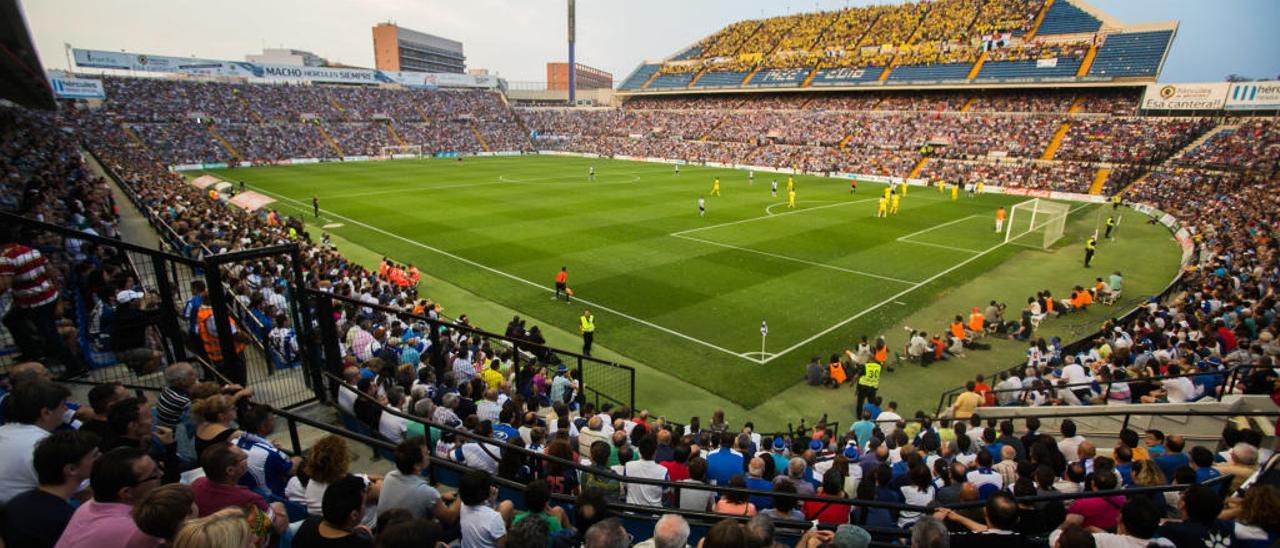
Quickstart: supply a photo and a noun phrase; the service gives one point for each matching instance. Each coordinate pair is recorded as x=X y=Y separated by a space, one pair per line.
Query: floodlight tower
x=572 y=65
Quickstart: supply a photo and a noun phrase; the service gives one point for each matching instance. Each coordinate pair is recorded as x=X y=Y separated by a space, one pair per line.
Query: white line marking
x=513 y=277
x=932 y=228
x=769 y=210
x=793 y=259
x=751 y=219
x=895 y=297
x=941 y=246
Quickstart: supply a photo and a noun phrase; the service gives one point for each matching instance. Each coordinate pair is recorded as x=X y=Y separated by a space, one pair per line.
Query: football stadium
x=933 y=273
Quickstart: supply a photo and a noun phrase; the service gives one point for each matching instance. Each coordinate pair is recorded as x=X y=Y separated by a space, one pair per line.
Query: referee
x=588 y=331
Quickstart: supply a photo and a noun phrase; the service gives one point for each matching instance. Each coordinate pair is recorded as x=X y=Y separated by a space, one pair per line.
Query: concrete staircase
x=1052 y=150
x=391 y=128
x=1035 y=25
x=225 y=143
x=1088 y=61
x=977 y=66
x=1199 y=141
x=476 y=130
x=329 y=139
x=915 y=171
x=1099 y=180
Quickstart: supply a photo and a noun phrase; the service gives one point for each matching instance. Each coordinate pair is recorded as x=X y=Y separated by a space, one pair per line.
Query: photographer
x=135 y=313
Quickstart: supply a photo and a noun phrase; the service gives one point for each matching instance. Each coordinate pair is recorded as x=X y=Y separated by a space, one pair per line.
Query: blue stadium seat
x=639 y=76
x=721 y=79
x=779 y=78
x=1065 y=18
x=846 y=76
x=1067 y=66
x=931 y=72
x=1131 y=54
x=672 y=80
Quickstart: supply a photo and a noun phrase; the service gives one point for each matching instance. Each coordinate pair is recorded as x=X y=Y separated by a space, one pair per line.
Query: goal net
x=402 y=151
x=1036 y=223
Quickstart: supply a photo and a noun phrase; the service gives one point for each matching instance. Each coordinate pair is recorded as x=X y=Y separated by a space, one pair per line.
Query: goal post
x=1036 y=223
x=402 y=151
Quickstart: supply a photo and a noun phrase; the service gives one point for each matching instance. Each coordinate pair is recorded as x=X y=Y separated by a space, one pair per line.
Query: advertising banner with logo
x=77 y=88
x=1185 y=96
x=1254 y=96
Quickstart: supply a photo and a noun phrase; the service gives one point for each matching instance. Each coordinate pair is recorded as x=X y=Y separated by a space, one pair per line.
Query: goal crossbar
x=1036 y=223
x=402 y=151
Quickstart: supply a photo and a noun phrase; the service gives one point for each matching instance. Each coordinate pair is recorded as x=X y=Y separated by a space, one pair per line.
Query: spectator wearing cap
x=778 y=452
x=562 y=386
x=134 y=316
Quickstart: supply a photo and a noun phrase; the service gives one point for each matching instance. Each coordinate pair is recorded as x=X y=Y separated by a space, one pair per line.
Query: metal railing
x=944 y=399
x=599 y=380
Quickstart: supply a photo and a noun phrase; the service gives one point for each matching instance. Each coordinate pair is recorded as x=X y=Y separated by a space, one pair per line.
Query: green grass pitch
x=682 y=293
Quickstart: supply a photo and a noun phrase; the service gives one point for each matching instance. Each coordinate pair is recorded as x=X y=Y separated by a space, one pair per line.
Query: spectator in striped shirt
x=32 y=318
x=172 y=406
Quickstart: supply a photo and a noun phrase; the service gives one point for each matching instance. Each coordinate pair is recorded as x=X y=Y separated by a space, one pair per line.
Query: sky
x=516 y=38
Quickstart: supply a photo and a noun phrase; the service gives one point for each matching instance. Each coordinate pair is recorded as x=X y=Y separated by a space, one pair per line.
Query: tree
x=1238 y=78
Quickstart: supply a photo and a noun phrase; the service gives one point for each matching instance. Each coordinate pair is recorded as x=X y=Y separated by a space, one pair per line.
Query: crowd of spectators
x=250 y=491
x=177 y=119
x=1038 y=50
x=1118 y=102
x=919 y=33
x=1248 y=147
x=1129 y=140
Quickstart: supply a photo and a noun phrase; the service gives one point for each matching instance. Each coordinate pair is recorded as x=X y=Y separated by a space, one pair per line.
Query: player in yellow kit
x=882 y=207
x=887 y=191
x=955 y=192
x=902 y=189
x=791 y=184
x=893 y=202
x=715 y=187
x=791 y=199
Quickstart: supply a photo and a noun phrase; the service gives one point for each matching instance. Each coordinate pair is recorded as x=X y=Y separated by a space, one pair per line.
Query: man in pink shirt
x=224 y=464
x=120 y=478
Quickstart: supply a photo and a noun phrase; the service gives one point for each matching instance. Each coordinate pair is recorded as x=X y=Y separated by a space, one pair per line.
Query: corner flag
x=764 y=328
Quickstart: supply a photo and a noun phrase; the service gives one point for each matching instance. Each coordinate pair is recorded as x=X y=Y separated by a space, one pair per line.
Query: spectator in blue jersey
x=755 y=480
x=269 y=467
x=726 y=462
x=1173 y=457
x=1202 y=463
x=189 y=311
x=283 y=341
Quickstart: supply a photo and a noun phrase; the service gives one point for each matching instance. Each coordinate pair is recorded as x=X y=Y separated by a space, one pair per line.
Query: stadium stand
x=639 y=76
x=1067 y=18
x=485 y=438
x=932 y=42
x=1132 y=54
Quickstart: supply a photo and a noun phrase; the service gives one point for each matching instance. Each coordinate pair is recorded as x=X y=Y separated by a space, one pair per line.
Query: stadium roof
x=23 y=80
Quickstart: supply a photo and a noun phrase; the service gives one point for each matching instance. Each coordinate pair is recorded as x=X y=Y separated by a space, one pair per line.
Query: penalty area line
x=897 y=297
x=510 y=276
